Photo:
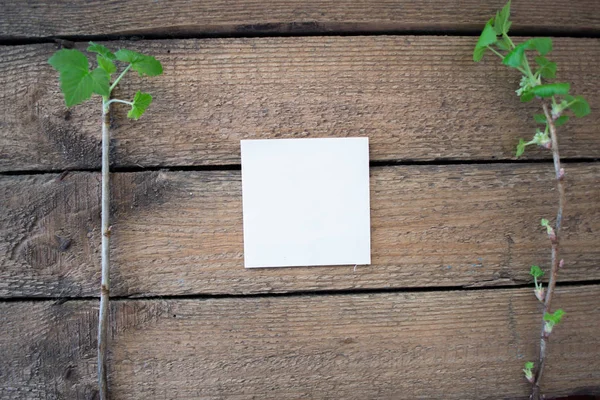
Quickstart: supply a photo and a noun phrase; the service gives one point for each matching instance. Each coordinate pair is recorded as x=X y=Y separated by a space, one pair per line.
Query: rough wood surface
x=79 y=17
x=416 y=98
x=180 y=233
x=450 y=345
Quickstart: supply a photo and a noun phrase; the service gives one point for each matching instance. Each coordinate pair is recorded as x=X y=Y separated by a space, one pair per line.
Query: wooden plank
x=387 y=346
x=177 y=233
x=78 y=17
x=416 y=98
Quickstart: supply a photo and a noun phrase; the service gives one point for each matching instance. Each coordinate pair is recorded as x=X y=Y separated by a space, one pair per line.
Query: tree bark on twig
x=555 y=262
x=105 y=229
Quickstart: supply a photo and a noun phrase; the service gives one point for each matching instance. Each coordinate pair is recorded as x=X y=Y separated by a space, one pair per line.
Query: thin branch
x=555 y=242
x=105 y=285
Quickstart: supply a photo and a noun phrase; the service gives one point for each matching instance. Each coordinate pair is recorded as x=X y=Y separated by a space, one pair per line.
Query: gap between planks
x=341 y=292
x=238 y=167
x=65 y=40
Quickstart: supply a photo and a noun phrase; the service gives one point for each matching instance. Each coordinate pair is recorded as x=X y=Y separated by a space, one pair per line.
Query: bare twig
x=105 y=285
x=559 y=172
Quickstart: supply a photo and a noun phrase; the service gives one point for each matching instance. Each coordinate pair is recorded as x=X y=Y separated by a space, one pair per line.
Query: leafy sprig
x=78 y=83
x=528 y=370
x=549 y=229
x=537 y=272
x=552 y=319
x=556 y=102
x=494 y=38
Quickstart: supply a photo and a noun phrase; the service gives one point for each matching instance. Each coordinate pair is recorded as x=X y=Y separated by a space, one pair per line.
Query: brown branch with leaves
x=494 y=38
x=554 y=235
x=78 y=84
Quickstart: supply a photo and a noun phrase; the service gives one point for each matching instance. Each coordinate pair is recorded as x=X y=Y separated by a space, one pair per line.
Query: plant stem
x=106 y=104
x=509 y=40
x=120 y=76
x=105 y=284
x=535 y=394
x=495 y=52
x=527 y=70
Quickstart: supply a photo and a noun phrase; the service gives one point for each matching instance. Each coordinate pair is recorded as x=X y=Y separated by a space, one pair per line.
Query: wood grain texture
x=177 y=233
x=416 y=98
x=79 y=17
x=450 y=345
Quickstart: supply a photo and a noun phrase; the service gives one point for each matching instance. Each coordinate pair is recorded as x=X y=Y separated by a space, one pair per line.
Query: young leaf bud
x=548 y=328
x=528 y=370
x=539 y=293
x=551 y=234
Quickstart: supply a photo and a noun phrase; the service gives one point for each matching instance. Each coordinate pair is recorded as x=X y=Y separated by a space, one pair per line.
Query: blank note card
x=306 y=202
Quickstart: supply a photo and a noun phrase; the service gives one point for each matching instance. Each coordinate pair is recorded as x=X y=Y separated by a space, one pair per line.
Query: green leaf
x=561 y=120
x=541 y=60
x=478 y=53
x=100 y=82
x=515 y=57
x=536 y=271
x=545 y=223
x=76 y=81
x=555 y=317
x=503 y=44
x=501 y=23
x=558 y=314
x=487 y=37
x=143 y=64
x=521 y=148
x=498 y=24
x=106 y=64
x=76 y=87
x=527 y=96
x=547 y=316
x=104 y=57
x=68 y=60
x=141 y=101
x=579 y=106
x=101 y=50
x=548 y=90
x=540 y=118
x=542 y=45
x=529 y=365
x=547 y=68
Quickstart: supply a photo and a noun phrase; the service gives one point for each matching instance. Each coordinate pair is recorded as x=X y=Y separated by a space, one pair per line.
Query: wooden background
x=446 y=310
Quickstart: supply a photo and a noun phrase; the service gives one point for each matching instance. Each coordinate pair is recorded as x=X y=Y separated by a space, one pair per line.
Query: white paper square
x=306 y=202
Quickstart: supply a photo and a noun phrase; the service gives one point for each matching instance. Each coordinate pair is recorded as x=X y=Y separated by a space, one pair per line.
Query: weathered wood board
x=180 y=17
x=450 y=345
x=434 y=316
x=178 y=233
x=416 y=98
